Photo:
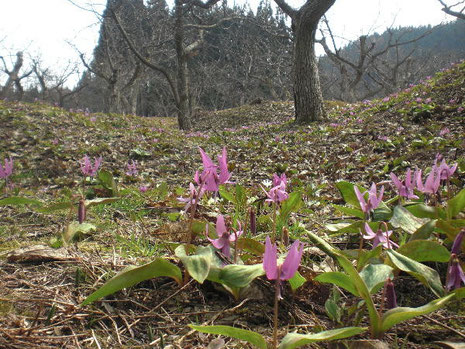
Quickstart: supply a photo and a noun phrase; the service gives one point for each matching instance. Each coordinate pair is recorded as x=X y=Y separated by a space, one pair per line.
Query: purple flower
x=444 y=131
x=373 y=200
x=446 y=171
x=290 y=265
x=277 y=193
x=381 y=237
x=143 y=188
x=277 y=180
x=194 y=196
x=405 y=188
x=7 y=169
x=224 y=237
x=209 y=175
x=132 y=169
x=458 y=242
x=87 y=168
x=455 y=276
x=432 y=182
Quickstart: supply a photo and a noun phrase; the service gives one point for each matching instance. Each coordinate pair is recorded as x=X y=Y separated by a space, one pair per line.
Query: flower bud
x=391 y=301
x=253 y=221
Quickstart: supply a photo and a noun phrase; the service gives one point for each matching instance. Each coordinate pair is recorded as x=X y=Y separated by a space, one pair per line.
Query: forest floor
x=45 y=278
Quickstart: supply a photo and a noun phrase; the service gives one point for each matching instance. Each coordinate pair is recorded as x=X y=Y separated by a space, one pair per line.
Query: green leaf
x=295 y=340
x=197 y=265
x=424 y=211
x=365 y=256
x=424 y=274
x=241 y=196
x=350 y=211
x=424 y=232
x=456 y=204
x=225 y=194
x=338 y=279
x=135 y=274
x=19 y=201
x=459 y=293
x=425 y=251
x=74 y=228
x=296 y=281
x=394 y=316
x=405 y=220
x=107 y=181
x=100 y=201
x=251 y=245
x=375 y=275
x=292 y=204
x=240 y=275
x=348 y=193
x=67 y=205
x=251 y=337
x=382 y=213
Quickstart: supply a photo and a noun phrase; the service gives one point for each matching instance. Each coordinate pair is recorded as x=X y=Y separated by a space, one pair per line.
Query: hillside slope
x=360 y=143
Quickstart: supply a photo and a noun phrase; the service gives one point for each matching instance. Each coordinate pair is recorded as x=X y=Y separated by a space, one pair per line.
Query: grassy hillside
x=41 y=291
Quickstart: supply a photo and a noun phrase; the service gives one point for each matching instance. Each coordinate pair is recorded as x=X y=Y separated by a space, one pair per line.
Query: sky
x=45 y=28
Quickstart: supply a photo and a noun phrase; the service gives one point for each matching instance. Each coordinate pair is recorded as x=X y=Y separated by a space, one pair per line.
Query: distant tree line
x=153 y=60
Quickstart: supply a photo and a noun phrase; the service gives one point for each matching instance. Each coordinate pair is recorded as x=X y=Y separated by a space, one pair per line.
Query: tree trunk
x=308 y=99
x=183 y=105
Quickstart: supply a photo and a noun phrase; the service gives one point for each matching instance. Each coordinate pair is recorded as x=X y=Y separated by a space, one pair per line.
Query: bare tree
x=308 y=98
x=378 y=64
x=14 y=77
x=456 y=10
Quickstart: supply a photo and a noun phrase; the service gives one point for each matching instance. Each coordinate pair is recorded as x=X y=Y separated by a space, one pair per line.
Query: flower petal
x=270 y=260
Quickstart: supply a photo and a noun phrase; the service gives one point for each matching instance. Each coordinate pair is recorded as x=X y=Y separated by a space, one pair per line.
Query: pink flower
x=446 y=171
x=277 y=193
x=290 y=265
x=7 y=169
x=380 y=237
x=455 y=276
x=444 y=131
x=224 y=237
x=277 y=180
x=432 y=182
x=132 y=169
x=143 y=188
x=209 y=175
x=405 y=188
x=87 y=168
x=194 y=196
x=373 y=200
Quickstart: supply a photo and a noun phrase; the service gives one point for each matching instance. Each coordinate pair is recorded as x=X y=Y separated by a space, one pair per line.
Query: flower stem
x=275 y=314
x=274 y=222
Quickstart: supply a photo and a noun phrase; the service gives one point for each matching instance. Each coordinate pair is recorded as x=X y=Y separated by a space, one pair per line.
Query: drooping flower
x=195 y=195
x=7 y=169
x=132 y=169
x=277 y=180
x=87 y=168
x=446 y=171
x=458 y=242
x=455 y=275
x=373 y=199
x=224 y=236
x=287 y=269
x=380 y=237
x=277 y=194
x=405 y=188
x=209 y=175
x=432 y=182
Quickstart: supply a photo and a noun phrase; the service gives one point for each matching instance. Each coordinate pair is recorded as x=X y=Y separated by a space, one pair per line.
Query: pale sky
x=43 y=27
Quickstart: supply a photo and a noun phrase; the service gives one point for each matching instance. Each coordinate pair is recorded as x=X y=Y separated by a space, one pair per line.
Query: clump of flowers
x=87 y=168
x=7 y=169
x=209 y=175
x=132 y=169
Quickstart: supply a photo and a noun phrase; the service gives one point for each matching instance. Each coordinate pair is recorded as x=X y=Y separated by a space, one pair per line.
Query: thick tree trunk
x=183 y=105
x=308 y=98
